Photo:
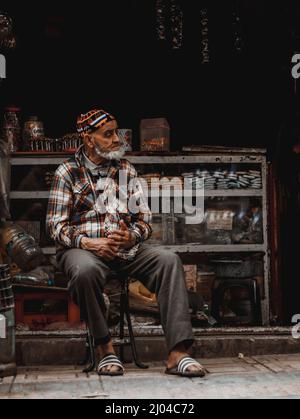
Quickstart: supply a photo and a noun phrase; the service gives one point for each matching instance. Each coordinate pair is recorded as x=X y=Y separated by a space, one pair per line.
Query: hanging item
x=7 y=38
x=5 y=26
x=176 y=24
x=237 y=31
x=161 y=9
x=169 y=22
x=205 y=52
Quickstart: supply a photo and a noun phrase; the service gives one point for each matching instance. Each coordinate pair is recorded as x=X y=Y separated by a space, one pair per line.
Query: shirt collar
x=93 y=167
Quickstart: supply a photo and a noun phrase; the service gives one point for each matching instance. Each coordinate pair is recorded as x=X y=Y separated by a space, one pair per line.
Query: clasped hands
x=108 y=248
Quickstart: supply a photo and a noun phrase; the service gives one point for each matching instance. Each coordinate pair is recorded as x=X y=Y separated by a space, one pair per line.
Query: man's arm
x=59 y=211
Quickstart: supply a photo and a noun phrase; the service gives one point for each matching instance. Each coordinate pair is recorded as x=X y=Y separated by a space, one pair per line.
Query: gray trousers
x=161 y=272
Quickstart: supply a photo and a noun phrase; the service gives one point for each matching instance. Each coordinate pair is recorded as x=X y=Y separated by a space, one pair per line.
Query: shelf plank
x=208 y=193
x=168 y=158
x=195 y=248
x=199 y=248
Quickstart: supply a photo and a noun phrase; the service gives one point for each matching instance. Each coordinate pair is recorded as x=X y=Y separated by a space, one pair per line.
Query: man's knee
x=84 y=275
x=168 y=258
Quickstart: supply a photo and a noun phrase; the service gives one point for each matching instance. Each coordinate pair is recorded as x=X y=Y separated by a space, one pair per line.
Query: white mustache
x=111 y=155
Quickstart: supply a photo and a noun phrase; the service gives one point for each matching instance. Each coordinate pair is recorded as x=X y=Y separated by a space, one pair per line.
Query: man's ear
x=87 y=138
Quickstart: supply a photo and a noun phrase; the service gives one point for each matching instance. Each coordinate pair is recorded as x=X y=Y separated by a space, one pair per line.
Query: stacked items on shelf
x=153 y=178
x=32 y=137
x=224 y=179
x=68 y=142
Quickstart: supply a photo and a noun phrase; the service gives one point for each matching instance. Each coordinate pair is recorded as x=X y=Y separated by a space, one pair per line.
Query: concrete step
x=68 y=347
x=263 y=377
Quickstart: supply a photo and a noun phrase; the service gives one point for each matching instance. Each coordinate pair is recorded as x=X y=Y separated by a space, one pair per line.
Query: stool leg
x=122 y=313
x=130 y=330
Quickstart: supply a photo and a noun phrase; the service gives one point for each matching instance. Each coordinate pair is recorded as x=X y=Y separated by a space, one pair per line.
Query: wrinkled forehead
x=109 y=126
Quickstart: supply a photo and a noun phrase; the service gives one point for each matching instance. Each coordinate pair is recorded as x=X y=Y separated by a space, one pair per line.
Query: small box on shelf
x=155 y=135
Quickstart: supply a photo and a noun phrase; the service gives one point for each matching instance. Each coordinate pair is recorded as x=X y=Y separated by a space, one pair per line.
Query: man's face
x=106 y=138
x=105 y=143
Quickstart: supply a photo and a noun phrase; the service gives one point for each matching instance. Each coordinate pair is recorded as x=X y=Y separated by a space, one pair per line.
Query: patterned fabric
x=77 y=208
x=7 y=301
x=93 y=120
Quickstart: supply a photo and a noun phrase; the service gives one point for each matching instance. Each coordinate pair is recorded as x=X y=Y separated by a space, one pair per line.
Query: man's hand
x=105 y=248
x=124 y=238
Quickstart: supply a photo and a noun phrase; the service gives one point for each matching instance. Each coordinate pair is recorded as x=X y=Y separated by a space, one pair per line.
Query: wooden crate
x=71 y=314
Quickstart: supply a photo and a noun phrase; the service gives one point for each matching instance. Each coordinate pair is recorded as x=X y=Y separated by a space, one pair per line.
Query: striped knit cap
x=93 y=120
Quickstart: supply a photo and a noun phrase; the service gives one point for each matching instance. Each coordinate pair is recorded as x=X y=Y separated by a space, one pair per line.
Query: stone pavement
x=270 y=376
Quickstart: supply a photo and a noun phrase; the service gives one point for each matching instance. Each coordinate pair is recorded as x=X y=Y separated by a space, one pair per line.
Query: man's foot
x=104 y=351
x=110 y=365
x=179 y=354
x=187 y=367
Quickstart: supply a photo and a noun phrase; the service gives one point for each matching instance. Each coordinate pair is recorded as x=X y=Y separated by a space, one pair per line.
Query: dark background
x=72 y=57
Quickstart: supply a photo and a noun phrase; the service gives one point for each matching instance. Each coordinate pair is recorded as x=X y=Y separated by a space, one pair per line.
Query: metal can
x=33 y=132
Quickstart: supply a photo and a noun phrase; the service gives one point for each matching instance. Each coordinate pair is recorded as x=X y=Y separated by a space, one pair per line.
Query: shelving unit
x=174 y=164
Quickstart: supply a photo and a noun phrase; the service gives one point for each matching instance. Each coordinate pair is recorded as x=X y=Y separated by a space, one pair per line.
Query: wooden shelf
x=196 y=248
x=23 y=159
x=208 y=193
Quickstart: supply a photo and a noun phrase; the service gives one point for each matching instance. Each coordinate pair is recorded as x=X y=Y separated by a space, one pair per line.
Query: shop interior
x=225 y=109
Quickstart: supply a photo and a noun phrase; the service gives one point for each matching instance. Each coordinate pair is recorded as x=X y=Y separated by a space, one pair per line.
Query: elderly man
x=91 y=243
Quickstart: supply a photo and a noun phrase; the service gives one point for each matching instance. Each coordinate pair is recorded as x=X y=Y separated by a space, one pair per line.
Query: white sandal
x=184 y=364
x=110 y=359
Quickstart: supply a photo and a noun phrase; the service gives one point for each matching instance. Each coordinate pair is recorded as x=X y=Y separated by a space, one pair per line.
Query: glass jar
x=11 y=129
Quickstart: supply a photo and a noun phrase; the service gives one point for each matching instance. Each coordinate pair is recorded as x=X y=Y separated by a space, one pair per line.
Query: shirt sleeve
x=141 y=216
x=60 y=205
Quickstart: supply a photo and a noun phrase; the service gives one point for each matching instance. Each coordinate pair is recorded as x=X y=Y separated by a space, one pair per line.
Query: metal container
x=11 y=130
x=33 y=133
x=22 y=248
x=7 y=325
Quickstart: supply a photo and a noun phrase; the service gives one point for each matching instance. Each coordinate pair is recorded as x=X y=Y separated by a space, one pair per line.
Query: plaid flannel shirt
x=73 y=207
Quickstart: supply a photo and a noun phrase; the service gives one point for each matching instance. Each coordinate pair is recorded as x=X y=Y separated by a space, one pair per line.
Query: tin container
x=33 y=133
x=22 y=248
